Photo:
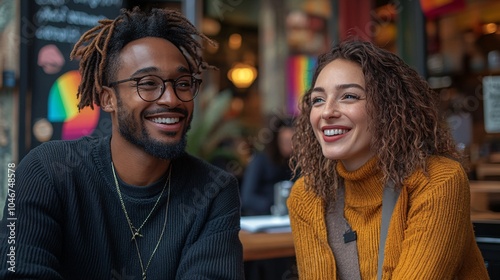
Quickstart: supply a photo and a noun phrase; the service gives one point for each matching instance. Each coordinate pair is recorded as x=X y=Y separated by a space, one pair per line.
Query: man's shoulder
x=55 y=150
x=197 y=164
x=199 y=171
x=84 y=141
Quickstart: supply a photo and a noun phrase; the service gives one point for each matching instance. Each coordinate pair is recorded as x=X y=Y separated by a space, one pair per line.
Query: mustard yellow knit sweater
x=430 y=235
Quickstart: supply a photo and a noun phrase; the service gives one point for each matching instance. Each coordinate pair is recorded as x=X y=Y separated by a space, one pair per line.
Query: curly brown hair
x=100 y=46
x=404 y=121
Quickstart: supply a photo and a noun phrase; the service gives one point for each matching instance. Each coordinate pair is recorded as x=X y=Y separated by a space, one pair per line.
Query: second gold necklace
x=135 y=232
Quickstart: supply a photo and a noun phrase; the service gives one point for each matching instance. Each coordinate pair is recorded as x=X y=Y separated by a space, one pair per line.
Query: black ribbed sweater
x=70 y=223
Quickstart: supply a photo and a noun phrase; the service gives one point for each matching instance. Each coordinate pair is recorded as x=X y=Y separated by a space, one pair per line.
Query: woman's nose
x=330 y=110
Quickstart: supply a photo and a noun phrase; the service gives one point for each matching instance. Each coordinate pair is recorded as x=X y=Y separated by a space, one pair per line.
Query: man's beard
x=137 y=135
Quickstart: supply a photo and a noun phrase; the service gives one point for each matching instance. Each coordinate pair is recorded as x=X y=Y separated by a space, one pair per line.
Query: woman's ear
x=108 y=99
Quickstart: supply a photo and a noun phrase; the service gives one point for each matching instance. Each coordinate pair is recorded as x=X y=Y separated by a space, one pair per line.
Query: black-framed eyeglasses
x=151 y=87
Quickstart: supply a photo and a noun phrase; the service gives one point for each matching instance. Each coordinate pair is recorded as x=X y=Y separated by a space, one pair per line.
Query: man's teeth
x=165 y=120
x=332 y=132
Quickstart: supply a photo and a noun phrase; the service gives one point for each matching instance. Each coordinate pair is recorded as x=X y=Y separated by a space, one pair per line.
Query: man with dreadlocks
x=132 y=205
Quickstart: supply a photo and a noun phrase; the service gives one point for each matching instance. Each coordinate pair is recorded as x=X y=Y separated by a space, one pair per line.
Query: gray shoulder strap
x=342 y=240
x=390 y=197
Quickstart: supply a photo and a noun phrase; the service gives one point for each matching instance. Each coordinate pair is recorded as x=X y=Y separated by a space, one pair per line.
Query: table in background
x=483 y=195
x=264 y=245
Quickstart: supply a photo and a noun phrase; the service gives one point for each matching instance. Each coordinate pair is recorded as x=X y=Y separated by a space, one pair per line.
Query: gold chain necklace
x=134 y=231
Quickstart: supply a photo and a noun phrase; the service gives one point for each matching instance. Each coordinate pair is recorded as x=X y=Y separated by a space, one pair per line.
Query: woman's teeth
x=332 y=132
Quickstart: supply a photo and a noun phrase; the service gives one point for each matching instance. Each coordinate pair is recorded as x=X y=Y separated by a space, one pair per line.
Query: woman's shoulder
x=304 y=203
x=441 y=160
x=298 y=187
x=443 y=168
x=440 y=171
x=302 y=192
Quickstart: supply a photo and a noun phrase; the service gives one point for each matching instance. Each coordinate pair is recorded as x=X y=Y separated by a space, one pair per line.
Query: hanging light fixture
x=242 y=75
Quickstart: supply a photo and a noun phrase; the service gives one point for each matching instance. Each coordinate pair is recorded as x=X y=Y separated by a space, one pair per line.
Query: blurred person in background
x=267 y=167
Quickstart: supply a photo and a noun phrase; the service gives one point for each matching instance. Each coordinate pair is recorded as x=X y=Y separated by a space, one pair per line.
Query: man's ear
x=108 y=99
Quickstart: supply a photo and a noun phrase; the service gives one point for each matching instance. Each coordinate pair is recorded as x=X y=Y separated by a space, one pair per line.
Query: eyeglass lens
x=150 y=88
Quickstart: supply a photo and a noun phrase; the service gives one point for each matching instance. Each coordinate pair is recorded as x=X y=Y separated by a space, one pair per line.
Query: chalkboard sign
x=49 y=80
x=491 y=94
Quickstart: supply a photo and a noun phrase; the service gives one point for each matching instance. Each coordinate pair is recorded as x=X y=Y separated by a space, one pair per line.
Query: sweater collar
x=363 y=187
x=365 y=171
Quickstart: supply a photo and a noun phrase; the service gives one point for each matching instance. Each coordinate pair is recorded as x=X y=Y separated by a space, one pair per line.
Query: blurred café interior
x=265 y=56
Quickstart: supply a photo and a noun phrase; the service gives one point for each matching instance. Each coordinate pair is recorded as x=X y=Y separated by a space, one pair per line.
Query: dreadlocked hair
x=99 y=47
x=404 y=121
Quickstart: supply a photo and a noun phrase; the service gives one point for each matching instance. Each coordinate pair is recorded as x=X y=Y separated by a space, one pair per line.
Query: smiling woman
x=338 y=113
x=370 y=134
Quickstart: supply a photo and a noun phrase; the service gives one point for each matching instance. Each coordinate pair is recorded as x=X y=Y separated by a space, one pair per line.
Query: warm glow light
x=242 y=75
x=210 y=26
x=235 y=41
x=489 y=28
x=237 y=105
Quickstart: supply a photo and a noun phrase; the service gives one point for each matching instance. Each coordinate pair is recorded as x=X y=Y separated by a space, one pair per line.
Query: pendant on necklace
x=136 y=234
x=144 y=276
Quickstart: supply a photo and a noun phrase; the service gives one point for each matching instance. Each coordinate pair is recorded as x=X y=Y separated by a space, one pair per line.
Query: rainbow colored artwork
x=300 y=69
x=63 y=107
